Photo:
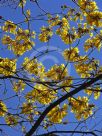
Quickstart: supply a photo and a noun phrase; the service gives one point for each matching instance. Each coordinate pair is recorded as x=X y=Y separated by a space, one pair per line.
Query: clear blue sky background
x=51 y=6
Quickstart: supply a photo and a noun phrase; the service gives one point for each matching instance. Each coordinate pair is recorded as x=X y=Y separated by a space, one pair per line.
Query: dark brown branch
x=60 y=100
x=60 y=132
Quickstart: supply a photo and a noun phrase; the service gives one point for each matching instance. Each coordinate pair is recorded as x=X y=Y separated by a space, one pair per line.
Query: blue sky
x=50 y=6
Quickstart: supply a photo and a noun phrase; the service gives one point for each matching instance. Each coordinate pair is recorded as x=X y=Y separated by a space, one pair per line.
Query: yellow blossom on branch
x=42 y=94
x=46 y=34
x=80 y=107
x=3 y=109
x=34 y=67
x=7 y=66
x=18 y=86
x=57 y=114
x=9 y=27
x=57 y=72
x=94 y=18
x=11 y=120
x=87 y=5
x=73 y=55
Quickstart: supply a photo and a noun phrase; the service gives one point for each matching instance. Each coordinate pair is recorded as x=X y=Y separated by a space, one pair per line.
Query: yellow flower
x=22 y=3
x=87 y=5
x=27 y=108
x=7 y=40
x=54 y=21
x=21 y=46
x=57 y=72
x=11 y=120
x=63 y=32
x=21 y=43
x=94 y=18
x=33 y=67
x=42 y=94
x=80 y=107
x=65 y=22
x=67 y=38
x=24 y=34
x=93 y=42
x=18 y=86
x=57 y=114
x=85 y=69
x=96 y=91
x=71 y=54
x=46 y=34
x=28 y=13
x=88 y=91
x=9 y=27
x=7 y=66
x=3 y=108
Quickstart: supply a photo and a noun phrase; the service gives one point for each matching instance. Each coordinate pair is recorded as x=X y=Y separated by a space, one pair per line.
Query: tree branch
x=60 y=100
x=78 y=132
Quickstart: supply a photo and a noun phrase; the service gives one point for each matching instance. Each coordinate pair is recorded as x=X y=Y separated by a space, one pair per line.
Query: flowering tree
x=36 y=98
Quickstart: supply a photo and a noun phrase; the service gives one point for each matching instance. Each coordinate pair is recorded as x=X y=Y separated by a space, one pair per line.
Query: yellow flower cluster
x=18 y=86
x=94 y=18
x=96 y=91
x=90 y=10
x=33 y=67
x=83 y=29
x=24 y=34
x=85 y=69
x=3 y=108
x=21 y=43
x=64 y=33
x=93 y=42
x=73 y=55
x=27 y=108
x=54 y=21
x=87 y=5
x=9 y=27
x=57 y=72
x=57 y=114
x=46 y=34
x=7 y=66
x=11 y=120
x=6 y=40
x=80 y=107
x=77 y=16
x=42 y=94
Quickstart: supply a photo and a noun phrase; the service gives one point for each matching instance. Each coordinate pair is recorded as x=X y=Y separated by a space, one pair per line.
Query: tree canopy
x=50 y=67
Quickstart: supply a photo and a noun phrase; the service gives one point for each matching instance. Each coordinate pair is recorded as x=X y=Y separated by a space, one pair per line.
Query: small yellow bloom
x=46 y=34
x=18 y=86
x=42 y=94
x=87 y=5
x=94 y=18
x=57 y=114
x=80 y=107
x=57 y=72
x=9 y=27
x=3 y=108
x=7 y=40
x=7 y=66
x=33 y=67
x=11 y=120
x=27 y=108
